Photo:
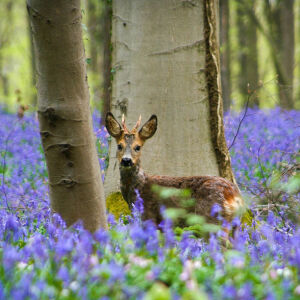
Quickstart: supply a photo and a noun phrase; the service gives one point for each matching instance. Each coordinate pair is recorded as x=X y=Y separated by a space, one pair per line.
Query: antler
x=134 y=129
x=126 y=131
x=137 y=125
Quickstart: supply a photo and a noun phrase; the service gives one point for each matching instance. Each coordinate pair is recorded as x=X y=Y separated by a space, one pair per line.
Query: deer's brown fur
x=205 y=190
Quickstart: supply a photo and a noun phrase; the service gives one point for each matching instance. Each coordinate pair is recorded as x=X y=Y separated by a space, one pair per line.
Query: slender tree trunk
x=32 y=61
x=4 y=79
x=297 y=43
x=285 y=43
x=5 y=39
x=166 y=62
x=280 y=35
x=247 y=46
x=93 y=29
x=75 y=184
x=106 y=59
x=94 y=15
x=225 y=53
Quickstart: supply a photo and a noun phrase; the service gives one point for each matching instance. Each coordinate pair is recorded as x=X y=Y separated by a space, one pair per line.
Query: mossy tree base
x=116 y=205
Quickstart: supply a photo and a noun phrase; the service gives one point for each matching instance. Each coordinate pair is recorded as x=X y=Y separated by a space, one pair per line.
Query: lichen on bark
x=212 y=72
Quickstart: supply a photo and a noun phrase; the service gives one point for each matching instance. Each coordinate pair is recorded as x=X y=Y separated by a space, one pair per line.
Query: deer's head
x=130 y=142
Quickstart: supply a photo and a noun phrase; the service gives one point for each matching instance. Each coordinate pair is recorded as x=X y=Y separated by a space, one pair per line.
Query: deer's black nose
x=126 y=162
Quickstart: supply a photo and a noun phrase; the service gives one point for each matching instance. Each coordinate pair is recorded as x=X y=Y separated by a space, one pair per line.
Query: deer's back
x=206 y=190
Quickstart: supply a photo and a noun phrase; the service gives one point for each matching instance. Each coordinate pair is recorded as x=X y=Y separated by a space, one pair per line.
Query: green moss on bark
x=212 y=74
x=116 y=205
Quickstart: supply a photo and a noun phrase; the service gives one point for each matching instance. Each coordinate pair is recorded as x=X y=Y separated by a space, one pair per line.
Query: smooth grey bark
x=160 y=61
x=75 y=185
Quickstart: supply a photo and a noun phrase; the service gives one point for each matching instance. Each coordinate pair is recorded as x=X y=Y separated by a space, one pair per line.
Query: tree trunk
x=93 y=38
x=94 y=16
x=106 y=59
x=280 y=20
x=286 y=46
x=297 y=44
x=166 y=62
x=5 y=39
x=247 y=45
x=225 y=53
x=75 y=184
x=32 y=63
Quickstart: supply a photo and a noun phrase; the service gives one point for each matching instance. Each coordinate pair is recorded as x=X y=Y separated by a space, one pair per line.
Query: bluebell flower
x=245 y=292
x=102 y=236
x=215 y=210
x=2 y=292
x=64 y=274
x=10 y=257
x=270 y=296
x=138 y=206
x=166 y=226
x=138 y=235
x=111 y=219
x=229 y=292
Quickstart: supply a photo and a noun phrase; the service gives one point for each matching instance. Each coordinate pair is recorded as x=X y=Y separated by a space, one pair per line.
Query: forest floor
x=41 y=259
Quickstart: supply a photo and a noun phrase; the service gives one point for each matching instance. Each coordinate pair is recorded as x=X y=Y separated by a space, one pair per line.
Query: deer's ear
x=112 y=125
x=149 y=128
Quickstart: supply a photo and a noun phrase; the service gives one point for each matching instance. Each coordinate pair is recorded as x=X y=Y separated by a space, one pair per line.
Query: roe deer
x=206 y=190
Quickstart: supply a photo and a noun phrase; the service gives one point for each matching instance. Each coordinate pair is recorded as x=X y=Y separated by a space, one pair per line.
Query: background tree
x=75 y=184
x=278 y=30
x=247 y=52
x=280 y=19
x=107 y=53
x=225 y=53
x=32 y=60
x=93 y=19
x=5 y=38
x=166 y=62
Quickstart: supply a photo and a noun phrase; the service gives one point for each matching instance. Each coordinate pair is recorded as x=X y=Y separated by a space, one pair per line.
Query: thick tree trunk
x=225 y=53
x=166 y=62
x=106 y=59
x=76 y=190
x=247 y=45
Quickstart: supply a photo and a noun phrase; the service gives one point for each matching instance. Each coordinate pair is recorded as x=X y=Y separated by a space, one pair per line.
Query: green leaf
x=167 y=192
x=210 y=227
x=175 y=213
x=158 y=292
x=195 y=219
x=195 y=294
x=293 y=184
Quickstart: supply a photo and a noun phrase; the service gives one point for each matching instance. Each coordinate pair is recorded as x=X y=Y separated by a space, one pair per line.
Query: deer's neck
x=132 y=179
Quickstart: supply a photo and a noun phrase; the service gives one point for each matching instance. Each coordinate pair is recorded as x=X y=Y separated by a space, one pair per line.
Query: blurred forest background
x=259 y=44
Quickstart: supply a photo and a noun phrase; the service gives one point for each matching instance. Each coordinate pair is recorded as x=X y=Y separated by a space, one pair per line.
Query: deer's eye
x=137 y=148
x=120 y=147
